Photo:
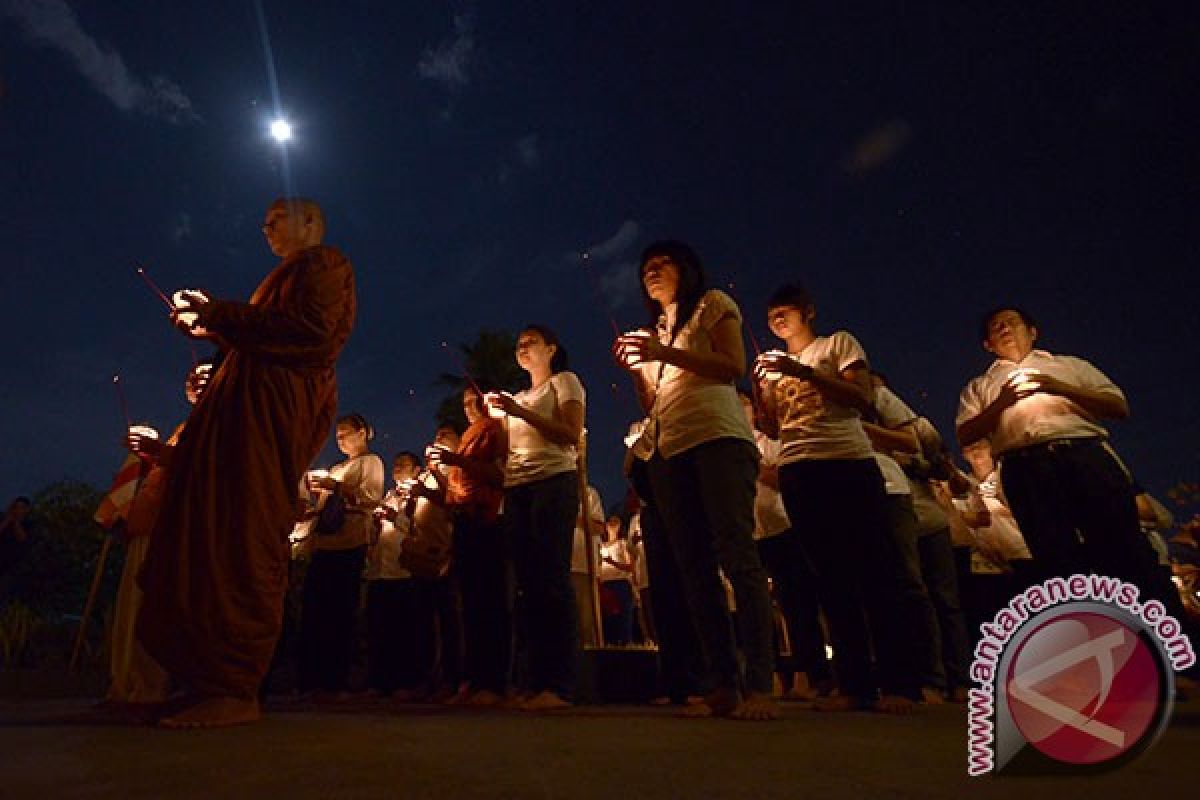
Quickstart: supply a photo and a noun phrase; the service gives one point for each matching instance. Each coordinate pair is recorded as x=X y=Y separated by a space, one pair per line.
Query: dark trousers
x=796 y=592
x=838 y=508
x=540 y=518
x=680 y=664
x=331 y=599
x=447 y=616
x=1075 y=507
x=618 y=621
x=389 y=635
x=705 y=496
x=481 y=566
x=917 y=611
x=941 y=579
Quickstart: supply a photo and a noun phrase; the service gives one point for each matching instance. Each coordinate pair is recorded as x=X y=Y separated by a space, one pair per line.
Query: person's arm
x=901 y=439
x=318 y=305
x=1105 y=403
x=768 y=475
x=567 y=430
x=981 y=425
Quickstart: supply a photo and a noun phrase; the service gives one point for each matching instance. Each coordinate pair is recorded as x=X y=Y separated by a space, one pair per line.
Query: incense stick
x=121 y=400
x=141 y=271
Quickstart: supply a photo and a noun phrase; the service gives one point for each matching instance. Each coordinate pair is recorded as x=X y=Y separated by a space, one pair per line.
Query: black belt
x=1051 y=446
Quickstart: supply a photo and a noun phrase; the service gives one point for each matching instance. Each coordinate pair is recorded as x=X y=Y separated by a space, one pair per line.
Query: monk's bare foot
x=931 y=696
x=545 y=700
x=895 y=704
x=215 y=712
x=757 y=707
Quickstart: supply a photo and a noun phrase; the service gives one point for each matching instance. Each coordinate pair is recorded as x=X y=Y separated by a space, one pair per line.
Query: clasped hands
x=635 y=347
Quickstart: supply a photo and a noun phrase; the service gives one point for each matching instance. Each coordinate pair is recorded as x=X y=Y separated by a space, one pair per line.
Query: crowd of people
x=793 y=527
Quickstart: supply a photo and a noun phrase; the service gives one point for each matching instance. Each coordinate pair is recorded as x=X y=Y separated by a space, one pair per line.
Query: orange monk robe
x=216 y=571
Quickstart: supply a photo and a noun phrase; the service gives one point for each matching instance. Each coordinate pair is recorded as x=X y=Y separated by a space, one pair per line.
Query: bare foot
x=545 y=700
x=757 y=707
x=720 y=703
x=215 y=712
x=895 y=704
x=931 y=696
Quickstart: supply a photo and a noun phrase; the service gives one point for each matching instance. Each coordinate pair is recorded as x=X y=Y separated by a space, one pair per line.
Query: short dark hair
x=559 y=361
x=790 y=294
x=987 y=318
x=692 y=281
x=410 y=455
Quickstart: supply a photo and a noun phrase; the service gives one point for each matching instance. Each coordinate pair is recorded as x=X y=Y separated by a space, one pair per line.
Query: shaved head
x=303 y=209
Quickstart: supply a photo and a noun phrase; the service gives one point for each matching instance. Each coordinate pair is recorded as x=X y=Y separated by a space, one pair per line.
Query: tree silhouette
x=489 y=362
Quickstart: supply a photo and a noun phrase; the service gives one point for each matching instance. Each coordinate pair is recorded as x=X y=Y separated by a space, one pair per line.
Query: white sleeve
x=846 y=350
x=567 y=387
x=1088 y=377
x=893 y=411
x=970 y=403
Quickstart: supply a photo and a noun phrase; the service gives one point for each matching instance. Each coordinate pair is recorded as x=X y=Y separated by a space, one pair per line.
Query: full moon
x=281 y=130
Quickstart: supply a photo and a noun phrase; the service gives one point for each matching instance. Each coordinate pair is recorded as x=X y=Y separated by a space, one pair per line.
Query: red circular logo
x=1084 y=688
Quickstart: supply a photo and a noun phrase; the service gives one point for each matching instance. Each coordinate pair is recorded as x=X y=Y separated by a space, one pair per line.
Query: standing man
x=216 y=571
x=1071 y=496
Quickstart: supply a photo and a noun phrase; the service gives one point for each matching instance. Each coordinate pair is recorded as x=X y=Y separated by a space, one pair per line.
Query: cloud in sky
x=614 y=266
x=450 y=62
x=53 y=23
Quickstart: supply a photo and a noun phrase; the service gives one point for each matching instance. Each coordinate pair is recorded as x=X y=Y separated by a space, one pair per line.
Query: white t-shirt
x=893 y=413
x=595 y=514
x=383 y=563
x=1002 y=535
x=810 y=426
x=1040 y=417
x=894 y=479
x=690 y=409
x=531 y=456
x=770 y=517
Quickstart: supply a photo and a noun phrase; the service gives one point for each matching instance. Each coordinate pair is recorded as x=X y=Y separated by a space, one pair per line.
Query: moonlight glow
x=281 y=130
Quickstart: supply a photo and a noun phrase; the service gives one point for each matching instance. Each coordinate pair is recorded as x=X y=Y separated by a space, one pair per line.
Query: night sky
x=912 y=164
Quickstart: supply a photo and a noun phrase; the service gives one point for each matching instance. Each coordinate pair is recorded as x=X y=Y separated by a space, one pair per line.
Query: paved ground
x=619 y=753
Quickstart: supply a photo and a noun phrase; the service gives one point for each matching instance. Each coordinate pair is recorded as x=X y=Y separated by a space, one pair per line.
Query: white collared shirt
x=1040 y=417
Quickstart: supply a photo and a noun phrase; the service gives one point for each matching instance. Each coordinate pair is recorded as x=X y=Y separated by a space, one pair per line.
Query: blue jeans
x=540 y=517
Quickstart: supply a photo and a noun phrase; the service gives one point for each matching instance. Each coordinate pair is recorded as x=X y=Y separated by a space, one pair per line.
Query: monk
x=139 y=684
x=216 y=571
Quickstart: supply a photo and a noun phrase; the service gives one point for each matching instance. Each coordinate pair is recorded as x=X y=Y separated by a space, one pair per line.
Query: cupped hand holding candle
x=438 y=455
x=635 y=347
x=500 y=403
x=142 y=440
x=320 y=480
x=774 y=364
x=189 y=307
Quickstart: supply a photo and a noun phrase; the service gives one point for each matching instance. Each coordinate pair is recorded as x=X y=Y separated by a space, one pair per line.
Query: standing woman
x=702 y=465
x=544 y=424
x=339 y=549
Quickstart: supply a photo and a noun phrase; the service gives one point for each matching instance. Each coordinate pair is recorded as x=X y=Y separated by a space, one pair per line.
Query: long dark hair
x=358 y=422
x=559 y=361
x=692 y=281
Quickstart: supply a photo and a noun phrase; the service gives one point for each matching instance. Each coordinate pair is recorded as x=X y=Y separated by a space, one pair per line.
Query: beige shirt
x=361 y=483
x=690 y=409
x=531 y=456
x=1040 y=417
x=618 y=551
x=810 y=426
